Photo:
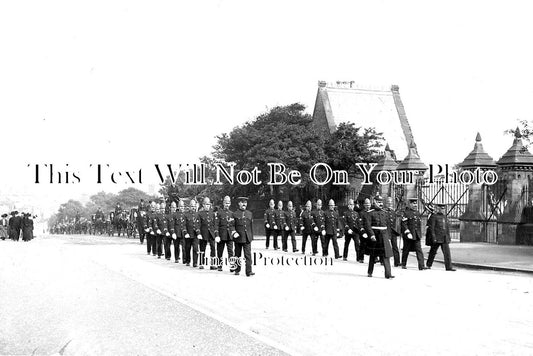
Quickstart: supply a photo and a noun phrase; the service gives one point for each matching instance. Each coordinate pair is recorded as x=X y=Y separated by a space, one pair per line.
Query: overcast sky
x=134 y=83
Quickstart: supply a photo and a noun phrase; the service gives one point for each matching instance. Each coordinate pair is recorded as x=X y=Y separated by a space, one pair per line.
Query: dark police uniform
x=269 y=231
x=192 y=224
x=319 y=225
x=411 y=224
x=149 y=222
x=141 y=212
x=291 y=225
x=364 y=215
x=352 y=223
x=161 y=229
x=306 y=227
x=376 y=226
x=393 y=233
x=438 y=235
x=243 y=222
x=279 y=231
x=225 y=221
x=332 y=232
x=177 y=226
x=208 y=230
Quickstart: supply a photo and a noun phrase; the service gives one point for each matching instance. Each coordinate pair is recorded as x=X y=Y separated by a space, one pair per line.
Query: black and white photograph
x=231 y=177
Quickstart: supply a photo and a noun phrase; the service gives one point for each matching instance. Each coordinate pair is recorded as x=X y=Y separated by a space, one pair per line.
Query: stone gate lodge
x=500 y=213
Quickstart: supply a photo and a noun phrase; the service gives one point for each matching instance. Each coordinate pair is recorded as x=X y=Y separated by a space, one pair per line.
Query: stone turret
x=516 y=169
x=412 y=166
x=472 y=226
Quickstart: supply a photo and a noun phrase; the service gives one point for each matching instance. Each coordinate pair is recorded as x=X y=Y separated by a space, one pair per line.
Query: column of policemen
x=374 y=232
x=191 y=231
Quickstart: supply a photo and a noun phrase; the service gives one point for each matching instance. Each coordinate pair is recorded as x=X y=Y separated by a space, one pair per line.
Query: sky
x=131 y=83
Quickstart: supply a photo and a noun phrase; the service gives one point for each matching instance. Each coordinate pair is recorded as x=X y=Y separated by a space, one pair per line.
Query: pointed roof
x=412 y=161
x=381 y=108
x=386 y=162
x=478 y=158
x=517 y=155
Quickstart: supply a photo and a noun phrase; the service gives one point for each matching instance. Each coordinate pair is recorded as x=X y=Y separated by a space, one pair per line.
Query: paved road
x=106 y=296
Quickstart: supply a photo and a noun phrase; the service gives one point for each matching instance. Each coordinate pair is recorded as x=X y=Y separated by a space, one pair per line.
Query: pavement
x=504 y=258
x=84 y=295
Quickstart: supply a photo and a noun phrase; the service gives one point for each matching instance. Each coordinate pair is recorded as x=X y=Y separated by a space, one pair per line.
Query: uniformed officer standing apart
x=379 y=245
x=438 y=235
x=412 y=234
x=291 y=225
x=332 y=229
x=351 y=231
x=243 y=235
x=393 y=230
x=319 y=226
x=208 y=232
x=270 y=222
x=177 y=229
x=191 y=240
x=306 y=228
x=224 y=239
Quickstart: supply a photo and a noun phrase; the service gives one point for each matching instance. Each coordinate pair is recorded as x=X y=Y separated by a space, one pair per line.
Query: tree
x=349 y=145
x=284 y=134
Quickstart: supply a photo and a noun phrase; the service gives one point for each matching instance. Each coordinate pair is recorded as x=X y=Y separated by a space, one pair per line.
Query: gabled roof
x=478 y=158
x=366 y=107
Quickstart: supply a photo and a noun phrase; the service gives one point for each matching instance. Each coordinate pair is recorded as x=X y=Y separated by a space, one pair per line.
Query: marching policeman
x=319 y=226
x=412 y=234
x=270 y=222
x=352 y=229
x=149 y=222
x=306 y=228
x=141 y=212
x=208 y=232
x=279 y=224
x=393 y=231
x=364 y=215
x=379 y=245
x=243 y=235
x=177 y=228
x=191 y=240
x=161 y=231
x=332 y=229
x=224 y=239
x=291 y=225
x=438 y=235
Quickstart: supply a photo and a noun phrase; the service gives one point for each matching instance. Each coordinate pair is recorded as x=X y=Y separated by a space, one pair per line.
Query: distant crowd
x=16 y=226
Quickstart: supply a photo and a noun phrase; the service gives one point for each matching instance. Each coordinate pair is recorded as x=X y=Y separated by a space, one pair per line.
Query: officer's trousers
x=178 y=242
x=325 y=245
x=247 y=247
x=269 y=233
x=386 y=264
x=284 y=239
x=212 y=253
x=395 y=250
x=445 y=251
x=159 y=244
x=167 y=242
x=356 y=244
x=408 y=245
x=220 y=250
x=314 y=242
x=191 y=242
